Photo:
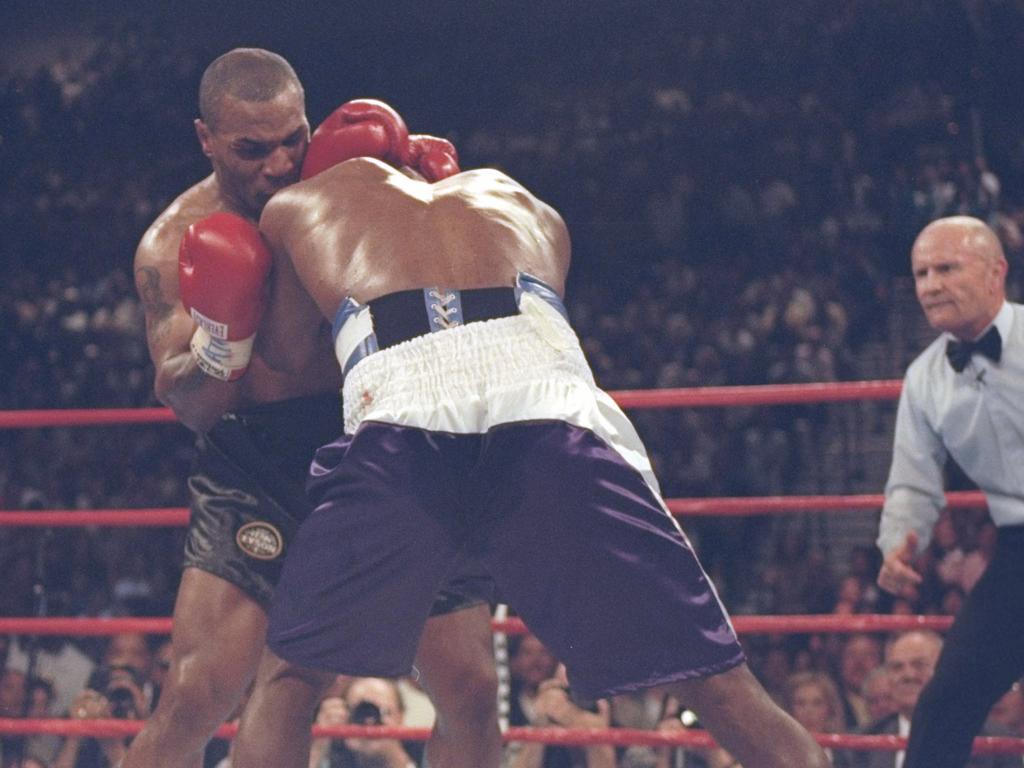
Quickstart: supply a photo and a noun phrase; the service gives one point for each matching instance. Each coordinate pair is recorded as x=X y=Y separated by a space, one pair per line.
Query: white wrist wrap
x=220 y=358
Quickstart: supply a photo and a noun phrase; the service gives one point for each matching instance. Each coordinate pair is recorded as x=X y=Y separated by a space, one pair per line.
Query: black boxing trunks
x=474 y=428
x=247 y=498
x=246 y=489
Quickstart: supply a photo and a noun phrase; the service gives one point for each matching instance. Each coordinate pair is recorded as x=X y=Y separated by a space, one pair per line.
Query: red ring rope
x=693 y=397
x=829 y=623
x=721 y=507
x=987 y=745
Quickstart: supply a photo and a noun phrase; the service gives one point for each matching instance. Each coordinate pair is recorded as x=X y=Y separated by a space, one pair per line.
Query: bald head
x=246 y=74
x=910 y=661
x=924 y=640
x=964 y=233
x=959 y=274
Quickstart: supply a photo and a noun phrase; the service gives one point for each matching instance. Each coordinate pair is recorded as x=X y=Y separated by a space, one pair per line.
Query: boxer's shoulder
x=349 y=185
x=489 y=187
x=493 y=194
x=161 y=239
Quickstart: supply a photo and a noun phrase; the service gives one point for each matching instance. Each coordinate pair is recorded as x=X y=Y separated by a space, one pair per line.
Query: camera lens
x=122 y=704
x=365 y=713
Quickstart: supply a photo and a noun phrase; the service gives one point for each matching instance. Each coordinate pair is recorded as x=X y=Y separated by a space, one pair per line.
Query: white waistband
x=468 y=378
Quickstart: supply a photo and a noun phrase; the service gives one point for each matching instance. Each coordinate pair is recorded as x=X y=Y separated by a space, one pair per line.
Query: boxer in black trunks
x=258 y=427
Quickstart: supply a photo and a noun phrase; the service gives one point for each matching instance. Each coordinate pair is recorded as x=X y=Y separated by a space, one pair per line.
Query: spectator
x=21 y=698
x=58 y=662
x=860 y=656
x=813 y=699
x=910 y=662
x=367 y=701
x=554 y=706
x=119 y=688
x=539 y=696
x=333 y=710
x=877 y=694
x=676 y=719
x=12 y=704
x=40 y=702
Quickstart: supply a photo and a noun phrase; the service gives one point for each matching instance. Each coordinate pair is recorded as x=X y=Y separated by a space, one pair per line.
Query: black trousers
x=981 y=658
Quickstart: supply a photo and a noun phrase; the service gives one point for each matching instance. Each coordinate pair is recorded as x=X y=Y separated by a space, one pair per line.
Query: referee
x=962 y=397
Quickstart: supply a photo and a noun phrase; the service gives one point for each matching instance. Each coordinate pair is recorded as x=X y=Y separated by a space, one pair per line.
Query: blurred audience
x=742 y=191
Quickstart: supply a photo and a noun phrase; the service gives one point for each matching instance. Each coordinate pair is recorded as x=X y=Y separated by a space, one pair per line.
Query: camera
x=365 y=713
x=112 y=683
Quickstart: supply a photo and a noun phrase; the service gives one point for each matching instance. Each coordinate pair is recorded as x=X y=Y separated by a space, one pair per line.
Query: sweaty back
x=364 y=229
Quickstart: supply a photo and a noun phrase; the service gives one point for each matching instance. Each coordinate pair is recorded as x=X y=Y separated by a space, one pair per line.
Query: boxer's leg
x=457 y=667
x=275 y=727
x=456 y=663
x=217 y=640
x=743 y=718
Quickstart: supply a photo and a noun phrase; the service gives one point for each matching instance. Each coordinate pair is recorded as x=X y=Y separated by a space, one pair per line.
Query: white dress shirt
x=902 y=729
x=976 y=416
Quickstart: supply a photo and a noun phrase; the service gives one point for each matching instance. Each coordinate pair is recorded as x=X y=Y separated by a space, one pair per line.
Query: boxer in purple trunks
x=473 y=428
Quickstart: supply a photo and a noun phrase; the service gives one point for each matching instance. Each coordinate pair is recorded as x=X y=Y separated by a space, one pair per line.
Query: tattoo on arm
x=156 y=307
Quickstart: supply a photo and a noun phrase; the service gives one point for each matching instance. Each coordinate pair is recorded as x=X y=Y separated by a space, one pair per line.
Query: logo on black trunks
x=260 y=540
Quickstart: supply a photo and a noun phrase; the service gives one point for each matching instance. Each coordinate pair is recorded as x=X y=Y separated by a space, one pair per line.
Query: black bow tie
x=959 y=352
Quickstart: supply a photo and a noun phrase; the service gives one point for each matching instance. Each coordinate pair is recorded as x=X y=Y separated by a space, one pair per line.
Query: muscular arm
x=197 y=400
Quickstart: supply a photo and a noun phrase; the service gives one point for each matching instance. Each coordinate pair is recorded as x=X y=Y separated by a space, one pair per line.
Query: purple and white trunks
x=490 y=442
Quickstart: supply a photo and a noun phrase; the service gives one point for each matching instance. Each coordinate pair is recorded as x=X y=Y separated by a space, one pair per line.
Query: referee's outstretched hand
x=897 y=574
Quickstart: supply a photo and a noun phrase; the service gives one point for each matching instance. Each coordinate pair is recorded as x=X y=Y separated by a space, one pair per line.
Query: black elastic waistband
x=273 y=443
x=281 y=425
x=404 y=315
x=360 y=330
x=310 y=406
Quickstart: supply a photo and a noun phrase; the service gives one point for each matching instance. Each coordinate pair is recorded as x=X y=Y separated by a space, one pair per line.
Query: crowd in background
x=742 y=197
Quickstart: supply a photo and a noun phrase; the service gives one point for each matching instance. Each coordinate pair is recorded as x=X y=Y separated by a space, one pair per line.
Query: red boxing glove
x=359 y=128
x=434 y=158
x=223 y=265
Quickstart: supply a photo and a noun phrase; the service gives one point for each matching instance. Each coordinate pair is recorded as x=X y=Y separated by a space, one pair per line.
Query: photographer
x=366 y=701
x=540 y=697
x=113 y=691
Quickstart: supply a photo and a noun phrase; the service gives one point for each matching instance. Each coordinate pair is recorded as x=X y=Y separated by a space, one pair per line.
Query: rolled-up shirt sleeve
x=915 y=490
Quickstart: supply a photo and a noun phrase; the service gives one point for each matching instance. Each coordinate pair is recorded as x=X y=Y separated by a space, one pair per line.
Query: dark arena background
x=742 y=180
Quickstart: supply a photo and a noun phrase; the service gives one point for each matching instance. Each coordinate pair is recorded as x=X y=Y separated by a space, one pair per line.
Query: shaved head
x=246 y=74
x=972 y=235
x=959 y=275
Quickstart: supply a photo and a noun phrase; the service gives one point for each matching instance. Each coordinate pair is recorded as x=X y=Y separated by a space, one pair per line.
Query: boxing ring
x=702 y=397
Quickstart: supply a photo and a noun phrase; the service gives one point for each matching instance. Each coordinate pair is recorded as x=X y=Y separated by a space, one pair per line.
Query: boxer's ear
x=205 y=136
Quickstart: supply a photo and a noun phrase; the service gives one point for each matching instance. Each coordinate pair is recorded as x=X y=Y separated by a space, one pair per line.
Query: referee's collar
x=1003 y=321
